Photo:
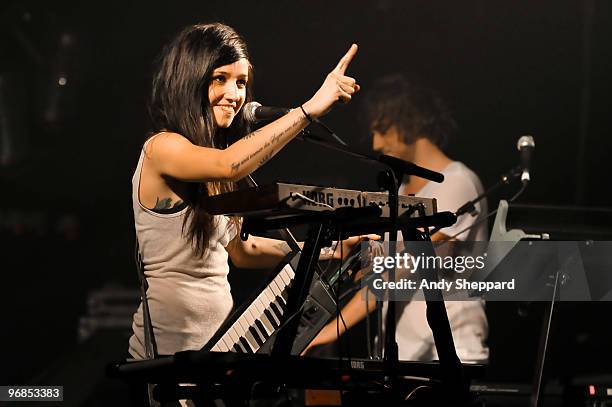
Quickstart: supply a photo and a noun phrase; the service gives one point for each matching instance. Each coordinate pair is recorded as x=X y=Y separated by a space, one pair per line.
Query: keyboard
x=283 y=198
x=252 y=328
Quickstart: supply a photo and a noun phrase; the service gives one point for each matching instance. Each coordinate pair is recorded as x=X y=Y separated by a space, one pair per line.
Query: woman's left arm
x=257 y=252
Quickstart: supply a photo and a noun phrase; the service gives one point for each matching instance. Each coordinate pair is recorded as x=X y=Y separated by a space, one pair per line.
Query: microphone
x=255 y=112
x=525 y=146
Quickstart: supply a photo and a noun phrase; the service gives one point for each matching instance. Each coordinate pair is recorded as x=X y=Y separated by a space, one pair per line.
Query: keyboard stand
x=324 y=226
x=453 y=379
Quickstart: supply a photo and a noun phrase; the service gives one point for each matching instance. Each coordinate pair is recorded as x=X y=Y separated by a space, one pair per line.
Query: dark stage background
x=67 y=152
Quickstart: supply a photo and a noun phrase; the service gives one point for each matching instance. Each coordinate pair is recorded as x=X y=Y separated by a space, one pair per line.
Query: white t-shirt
x=460 y=185
x=467 y=318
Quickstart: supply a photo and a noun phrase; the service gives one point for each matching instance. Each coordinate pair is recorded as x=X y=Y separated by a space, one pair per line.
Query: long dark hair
x=179 y=103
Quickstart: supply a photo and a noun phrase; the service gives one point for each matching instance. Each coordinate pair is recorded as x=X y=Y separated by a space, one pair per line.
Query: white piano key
x=249 y=336
x=268 y=331
x=289 y=271
x=267 y=324
x=259 y=312
x=285 y=276
x=280 y=294
x=249 y=315
x=269 y=296
x=251 y=340
x=227 y=341
x=271 y=299
x=233 y=336
x=251 y=321
x=220 y=347
x=243 y=326
x=259 y=305
x=276 y=285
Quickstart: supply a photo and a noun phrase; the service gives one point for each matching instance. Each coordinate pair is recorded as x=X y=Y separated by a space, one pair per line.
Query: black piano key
x=262 y=335
x=285 y=295
x=251 y=339
x=281 y=301
x=276 y=320
x=257 y=336
x=237 y=349
x=267 y=323
x=262 y=329
x=278 y=311
x=246 y=345
x=273 y=320
x=244 y=350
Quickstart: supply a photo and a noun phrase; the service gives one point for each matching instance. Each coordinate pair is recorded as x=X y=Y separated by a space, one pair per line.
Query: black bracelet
x=306 y=114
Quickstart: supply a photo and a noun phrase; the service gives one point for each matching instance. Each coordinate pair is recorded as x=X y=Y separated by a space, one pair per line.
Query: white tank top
x=189 y=295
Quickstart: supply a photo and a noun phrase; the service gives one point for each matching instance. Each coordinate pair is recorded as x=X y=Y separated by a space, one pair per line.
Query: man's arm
x=353 y=312
x=262 y=252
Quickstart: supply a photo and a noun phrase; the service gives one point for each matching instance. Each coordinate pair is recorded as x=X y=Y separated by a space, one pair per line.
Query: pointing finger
x=346 y=59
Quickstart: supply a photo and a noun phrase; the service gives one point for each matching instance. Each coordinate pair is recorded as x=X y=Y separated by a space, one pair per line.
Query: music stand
x=557 y=264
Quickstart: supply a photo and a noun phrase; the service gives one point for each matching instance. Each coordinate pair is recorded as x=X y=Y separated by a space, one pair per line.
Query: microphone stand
x=469 y=206
x=398 y=166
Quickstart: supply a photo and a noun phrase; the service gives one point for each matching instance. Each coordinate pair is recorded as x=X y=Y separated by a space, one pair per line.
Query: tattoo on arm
x=237 y=165
x=251 y=134
x=326 y=253
x=166 y=203
x=265 y=159
x=274 y=139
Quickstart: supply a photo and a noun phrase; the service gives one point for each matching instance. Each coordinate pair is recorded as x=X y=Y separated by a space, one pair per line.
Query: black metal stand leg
x=299 y=289
x=451 y=369
x=391 y=349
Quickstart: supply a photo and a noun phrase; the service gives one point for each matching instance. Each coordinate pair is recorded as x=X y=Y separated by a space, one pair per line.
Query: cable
x=415 y=390
x=296 y=195
x=523 y=186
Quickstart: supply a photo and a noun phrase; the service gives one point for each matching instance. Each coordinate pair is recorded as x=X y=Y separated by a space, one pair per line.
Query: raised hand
x=337 y=86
